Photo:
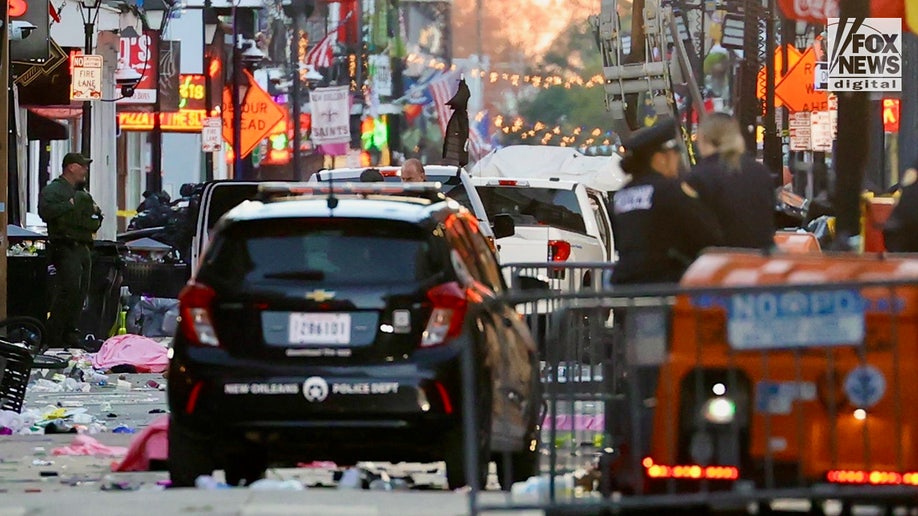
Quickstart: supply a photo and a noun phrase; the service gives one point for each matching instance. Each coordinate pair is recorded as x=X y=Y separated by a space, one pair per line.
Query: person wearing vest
x=72 y=218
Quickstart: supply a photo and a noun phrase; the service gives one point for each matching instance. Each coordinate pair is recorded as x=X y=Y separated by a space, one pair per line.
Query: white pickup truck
x=554 y=221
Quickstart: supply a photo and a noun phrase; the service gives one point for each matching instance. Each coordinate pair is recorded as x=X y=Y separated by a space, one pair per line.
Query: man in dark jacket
x=72 y=218
x=659 y=224
x=901 y=228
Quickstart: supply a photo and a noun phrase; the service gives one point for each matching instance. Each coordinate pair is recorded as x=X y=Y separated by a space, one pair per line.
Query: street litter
x=144 y=353
x=85 y=445
x=271 y=484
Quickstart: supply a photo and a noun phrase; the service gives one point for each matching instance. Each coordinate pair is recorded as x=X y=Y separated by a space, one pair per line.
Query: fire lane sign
x=86 y=83
x=865 y=54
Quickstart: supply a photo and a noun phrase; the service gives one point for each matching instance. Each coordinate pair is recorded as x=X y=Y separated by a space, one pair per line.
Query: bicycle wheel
x=30 y=331
x=25 y=330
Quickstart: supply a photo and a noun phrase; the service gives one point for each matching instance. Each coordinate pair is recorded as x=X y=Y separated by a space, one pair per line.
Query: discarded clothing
x=152 y=444
x=86 y=445
x=147 y=355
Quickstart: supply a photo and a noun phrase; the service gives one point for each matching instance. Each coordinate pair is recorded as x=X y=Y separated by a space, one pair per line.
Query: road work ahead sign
x=865 y=54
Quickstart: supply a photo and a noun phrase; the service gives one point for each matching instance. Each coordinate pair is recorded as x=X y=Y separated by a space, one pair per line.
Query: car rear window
x=532 y=206
x=322 y=250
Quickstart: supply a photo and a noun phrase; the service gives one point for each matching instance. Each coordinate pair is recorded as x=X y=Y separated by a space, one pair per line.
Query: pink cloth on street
x=151 y=444
x=86 y=445
x=145 y=354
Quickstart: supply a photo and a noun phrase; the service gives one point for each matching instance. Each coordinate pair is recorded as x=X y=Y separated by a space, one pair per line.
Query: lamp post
x=211 y=22
x=241 y=58
x=89 y=11
x=156 y=20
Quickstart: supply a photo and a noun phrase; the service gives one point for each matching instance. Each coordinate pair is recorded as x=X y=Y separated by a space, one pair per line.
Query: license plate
x=319 y=328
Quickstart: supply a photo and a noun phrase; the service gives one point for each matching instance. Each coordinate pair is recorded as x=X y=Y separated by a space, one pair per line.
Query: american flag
x=320 y=56
x=442 y=89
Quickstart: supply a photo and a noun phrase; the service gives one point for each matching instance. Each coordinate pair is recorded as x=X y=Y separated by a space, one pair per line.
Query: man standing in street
x=413 y=171
x=72 y=217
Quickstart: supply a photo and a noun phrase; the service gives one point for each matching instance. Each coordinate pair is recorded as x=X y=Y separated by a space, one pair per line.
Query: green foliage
x=573 y=54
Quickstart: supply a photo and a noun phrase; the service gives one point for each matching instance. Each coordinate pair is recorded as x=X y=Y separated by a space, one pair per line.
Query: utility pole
x=298 y=172
x=86 y=123
x=4 y=150
x=238 y=173
x=208 y=94
x=853 y=146
x=771 y=147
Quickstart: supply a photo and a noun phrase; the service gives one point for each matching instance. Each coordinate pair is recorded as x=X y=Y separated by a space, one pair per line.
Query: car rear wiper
x=311 y=275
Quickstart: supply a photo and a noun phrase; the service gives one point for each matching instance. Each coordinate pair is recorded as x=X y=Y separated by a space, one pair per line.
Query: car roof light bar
x=274 y=190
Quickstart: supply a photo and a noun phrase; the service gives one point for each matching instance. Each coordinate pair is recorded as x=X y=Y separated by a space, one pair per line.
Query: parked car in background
x=554 y=221
x=328 y=326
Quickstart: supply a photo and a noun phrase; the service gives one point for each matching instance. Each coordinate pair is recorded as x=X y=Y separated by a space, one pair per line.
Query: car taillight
x=447 y=316
x=195 y=302
x=559 y=250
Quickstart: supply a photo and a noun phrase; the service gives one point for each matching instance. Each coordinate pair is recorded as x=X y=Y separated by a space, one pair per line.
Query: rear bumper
x=376 y=411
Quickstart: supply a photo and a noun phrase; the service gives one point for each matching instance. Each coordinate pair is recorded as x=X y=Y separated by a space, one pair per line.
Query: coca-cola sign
x=814 y=11
x=818 y=11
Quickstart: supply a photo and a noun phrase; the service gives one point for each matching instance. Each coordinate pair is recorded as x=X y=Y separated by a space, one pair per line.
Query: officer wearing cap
x=901 y=229
x=659 y=224
x=72 y=217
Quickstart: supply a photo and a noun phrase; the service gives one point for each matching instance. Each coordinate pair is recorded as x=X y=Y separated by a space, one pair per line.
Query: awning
x=42 y=128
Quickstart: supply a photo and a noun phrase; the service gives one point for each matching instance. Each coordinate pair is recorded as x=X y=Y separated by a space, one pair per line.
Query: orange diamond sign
x=793 y=55
x=798 y=89
x=259 y=115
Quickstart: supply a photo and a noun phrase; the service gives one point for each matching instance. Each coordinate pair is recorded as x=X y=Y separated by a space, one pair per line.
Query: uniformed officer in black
x=901 y=228
x=659 y=224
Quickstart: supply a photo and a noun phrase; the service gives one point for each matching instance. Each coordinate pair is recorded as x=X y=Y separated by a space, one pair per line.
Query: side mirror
x=503 y=225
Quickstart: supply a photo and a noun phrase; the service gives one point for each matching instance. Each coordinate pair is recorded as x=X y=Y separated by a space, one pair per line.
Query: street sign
x=211 y=134
x=821 y=131
x=794 y=319
x=821 y=78
x=793 y=55
x=259 y=115
x=797 y=91
x=865 y=54
x=86 y=82
x=865 y=386
x=799 y=125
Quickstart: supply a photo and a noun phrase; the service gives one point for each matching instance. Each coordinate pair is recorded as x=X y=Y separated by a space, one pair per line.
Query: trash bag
x=153 y=316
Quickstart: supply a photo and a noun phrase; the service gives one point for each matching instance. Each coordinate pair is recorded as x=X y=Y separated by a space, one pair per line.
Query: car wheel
x=190 y=455
x=454 y=449
x=243 y=469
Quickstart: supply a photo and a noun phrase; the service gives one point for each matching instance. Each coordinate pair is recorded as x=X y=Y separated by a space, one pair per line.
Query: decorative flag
x=320 y=56
x=457 y=129
x=442 y=90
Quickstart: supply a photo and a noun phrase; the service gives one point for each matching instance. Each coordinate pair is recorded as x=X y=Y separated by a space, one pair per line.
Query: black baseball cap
x=75 y=157
x=646 y=141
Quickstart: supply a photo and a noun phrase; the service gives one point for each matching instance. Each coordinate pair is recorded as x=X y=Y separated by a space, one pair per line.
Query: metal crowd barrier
x=661 y=397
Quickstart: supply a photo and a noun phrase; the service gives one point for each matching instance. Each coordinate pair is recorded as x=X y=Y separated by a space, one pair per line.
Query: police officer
x=901 y=228
x=659 y=224
x=72 y=217
x=739 y=190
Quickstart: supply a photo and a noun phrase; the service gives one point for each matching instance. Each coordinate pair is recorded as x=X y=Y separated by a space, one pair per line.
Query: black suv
x=330 y=327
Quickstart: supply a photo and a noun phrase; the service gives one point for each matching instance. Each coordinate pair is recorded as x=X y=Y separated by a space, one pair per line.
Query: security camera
x=20 y=30
x=127 y=79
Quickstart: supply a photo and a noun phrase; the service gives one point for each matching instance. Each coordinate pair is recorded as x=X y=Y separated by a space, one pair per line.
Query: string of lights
x=515 y=79
x=540 y=130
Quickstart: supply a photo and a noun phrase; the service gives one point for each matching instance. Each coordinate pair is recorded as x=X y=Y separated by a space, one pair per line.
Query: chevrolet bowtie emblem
x=320 y=295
